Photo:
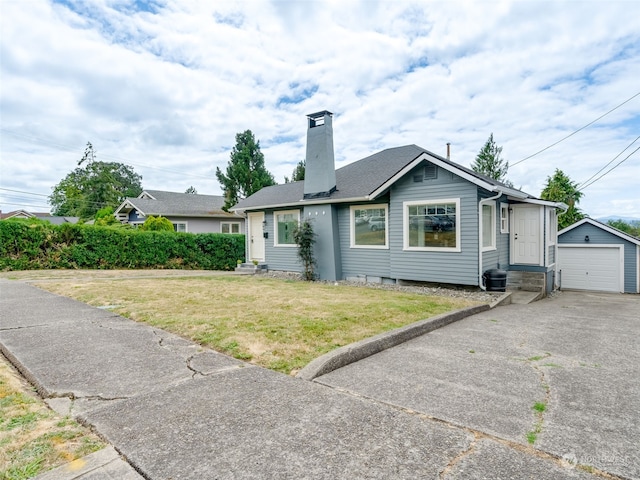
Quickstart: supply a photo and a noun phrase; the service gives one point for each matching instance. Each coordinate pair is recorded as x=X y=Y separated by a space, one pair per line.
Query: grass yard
x=275 y=323
x=34 y=439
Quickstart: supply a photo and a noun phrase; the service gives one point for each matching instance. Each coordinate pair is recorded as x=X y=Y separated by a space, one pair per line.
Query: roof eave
x=303 y=203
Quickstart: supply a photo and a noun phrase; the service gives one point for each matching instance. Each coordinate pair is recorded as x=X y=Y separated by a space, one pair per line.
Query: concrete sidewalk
x=174 y=410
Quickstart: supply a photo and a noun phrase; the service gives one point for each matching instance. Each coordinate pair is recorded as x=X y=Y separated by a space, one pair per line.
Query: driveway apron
x=576 y=356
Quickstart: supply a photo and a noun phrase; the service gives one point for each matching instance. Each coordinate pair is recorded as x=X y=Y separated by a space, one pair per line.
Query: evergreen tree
x=489 y=162
x=560 y=188
x=191 y=190
x=246 y=172
x=298 y=172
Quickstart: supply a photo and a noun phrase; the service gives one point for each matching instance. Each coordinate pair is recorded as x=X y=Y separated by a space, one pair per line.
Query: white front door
x=256 y=237
x=526 y=237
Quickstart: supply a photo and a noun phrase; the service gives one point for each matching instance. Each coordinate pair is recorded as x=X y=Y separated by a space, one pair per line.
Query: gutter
x=480 y=204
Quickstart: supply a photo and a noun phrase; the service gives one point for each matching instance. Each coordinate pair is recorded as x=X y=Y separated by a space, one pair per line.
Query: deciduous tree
x=94 y=185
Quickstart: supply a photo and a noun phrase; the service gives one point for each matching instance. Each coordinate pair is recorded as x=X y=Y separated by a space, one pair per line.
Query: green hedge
x=40 y=245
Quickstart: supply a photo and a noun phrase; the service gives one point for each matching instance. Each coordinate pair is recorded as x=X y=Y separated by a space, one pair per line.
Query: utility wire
x=578 y=130
x=26 y=193
x=609 y=163
x=610 y=170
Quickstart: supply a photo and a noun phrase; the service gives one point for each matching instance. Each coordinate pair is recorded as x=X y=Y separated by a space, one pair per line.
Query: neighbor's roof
x=369 y=178
x=158 y=202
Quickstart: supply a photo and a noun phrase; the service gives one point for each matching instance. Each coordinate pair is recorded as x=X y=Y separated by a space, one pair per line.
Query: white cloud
x=167 y=91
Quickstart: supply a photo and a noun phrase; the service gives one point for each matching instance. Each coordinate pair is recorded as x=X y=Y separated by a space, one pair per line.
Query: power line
x=609 y=163
x=610 y=170
x=26 y=205
x=26 y=193
x=578 y=130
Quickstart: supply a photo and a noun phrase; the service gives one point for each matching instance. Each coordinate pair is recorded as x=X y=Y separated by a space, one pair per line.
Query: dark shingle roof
x=356 y=180
x=180 y=204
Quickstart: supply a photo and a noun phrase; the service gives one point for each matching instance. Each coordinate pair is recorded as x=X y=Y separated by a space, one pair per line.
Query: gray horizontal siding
x=279 y=258
x=599 y=236
x=441 y=267
x=362 y=261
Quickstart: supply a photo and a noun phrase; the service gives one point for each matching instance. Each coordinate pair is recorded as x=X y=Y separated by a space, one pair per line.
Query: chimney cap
x=320 y=114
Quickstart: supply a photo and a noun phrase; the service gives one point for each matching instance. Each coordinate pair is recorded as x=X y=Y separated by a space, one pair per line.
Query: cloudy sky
x=165 y=85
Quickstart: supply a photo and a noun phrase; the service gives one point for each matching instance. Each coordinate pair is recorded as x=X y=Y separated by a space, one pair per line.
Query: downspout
x=564 y=208
x=480 y=203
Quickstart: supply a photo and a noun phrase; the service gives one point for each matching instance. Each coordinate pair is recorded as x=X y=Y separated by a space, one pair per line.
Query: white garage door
x=590 y=268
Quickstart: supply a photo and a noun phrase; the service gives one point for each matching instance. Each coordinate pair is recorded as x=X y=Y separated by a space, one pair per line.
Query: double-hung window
x=230 y=227
x=369 y=226
x=488 y=226
x=432 y=225
x=504 y=218
x=286 y=222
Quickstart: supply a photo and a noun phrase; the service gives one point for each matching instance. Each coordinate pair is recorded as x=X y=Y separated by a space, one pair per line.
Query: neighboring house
x=595 y=256
x=402 y=214
x=188 y=212
x=56 y=220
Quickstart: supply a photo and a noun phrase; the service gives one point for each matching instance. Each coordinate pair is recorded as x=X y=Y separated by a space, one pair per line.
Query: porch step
x=526 y=281
x=251 y=269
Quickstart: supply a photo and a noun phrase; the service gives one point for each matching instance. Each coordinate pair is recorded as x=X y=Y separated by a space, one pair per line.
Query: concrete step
x=251 y=268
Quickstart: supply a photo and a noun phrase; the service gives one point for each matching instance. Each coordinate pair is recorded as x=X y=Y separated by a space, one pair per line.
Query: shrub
x=157 y=224
x=41 y=245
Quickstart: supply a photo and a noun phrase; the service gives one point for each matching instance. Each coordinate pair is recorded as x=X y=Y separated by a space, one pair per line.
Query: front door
x=526 y=239
x=256 y=237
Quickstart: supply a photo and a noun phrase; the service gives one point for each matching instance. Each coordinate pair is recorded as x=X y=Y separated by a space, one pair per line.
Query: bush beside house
x=36 y=245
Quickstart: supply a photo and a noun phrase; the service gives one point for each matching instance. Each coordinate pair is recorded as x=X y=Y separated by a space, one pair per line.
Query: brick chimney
x=320 y=169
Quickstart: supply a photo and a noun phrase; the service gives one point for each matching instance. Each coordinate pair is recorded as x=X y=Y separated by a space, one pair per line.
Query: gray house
x=595 y=256
x=402 y=214
x=188 y=212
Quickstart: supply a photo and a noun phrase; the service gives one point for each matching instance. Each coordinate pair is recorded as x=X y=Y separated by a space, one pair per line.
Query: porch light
x=586 y=238
x=264 y=223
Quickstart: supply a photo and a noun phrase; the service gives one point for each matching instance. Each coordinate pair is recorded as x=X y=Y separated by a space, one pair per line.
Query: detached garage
x=594 y=256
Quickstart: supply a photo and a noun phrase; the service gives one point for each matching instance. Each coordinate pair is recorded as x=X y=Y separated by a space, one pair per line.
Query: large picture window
x=286 y=221
x=488 y=226
x=369 y=226
x=432 y=225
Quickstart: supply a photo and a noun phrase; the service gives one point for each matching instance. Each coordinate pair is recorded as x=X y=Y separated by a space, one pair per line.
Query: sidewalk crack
x=460 y=456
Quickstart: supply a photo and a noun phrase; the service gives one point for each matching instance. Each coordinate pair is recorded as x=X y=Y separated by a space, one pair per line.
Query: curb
x=365 y=348
x=105 y=463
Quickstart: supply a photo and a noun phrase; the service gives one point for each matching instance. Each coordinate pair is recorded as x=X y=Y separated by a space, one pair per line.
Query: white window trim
x=175 y=226
x=352 y=225
x=487 y=248
x=275 y=227
x=230 y=223
x=405 y=227
x=504 y=221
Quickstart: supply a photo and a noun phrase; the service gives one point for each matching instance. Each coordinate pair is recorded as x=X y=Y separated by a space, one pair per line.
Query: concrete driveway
x=576 y=356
